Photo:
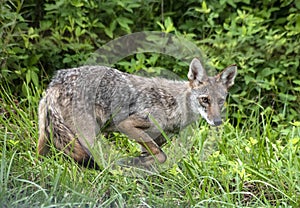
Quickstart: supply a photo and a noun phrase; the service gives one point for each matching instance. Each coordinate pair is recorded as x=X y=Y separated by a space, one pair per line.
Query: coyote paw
x=144 y=161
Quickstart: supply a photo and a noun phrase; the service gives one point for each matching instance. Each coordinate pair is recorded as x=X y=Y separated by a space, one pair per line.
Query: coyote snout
x=83 y=102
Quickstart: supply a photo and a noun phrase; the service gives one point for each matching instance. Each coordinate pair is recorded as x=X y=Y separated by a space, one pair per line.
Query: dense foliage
x=261 y=37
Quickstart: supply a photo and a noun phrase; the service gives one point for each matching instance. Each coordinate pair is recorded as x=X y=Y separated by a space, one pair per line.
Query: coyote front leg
x=134 y=128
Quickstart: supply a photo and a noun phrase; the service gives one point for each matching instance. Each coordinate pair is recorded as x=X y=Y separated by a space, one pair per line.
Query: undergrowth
x=255 y=165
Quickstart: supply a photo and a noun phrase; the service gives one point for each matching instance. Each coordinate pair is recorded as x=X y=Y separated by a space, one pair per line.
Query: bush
x=262 y=37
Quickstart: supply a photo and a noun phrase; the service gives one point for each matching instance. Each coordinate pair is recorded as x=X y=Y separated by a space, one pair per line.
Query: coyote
x=82 y=102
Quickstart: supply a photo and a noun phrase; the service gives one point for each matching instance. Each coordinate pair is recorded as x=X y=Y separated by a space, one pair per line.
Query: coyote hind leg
x=64 y=140
x=53 y=128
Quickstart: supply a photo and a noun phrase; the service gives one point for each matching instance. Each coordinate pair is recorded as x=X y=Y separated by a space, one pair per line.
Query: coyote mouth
x=214 y=123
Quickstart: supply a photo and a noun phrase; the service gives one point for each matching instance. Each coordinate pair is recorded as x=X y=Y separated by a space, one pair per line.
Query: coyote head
x=208 y=94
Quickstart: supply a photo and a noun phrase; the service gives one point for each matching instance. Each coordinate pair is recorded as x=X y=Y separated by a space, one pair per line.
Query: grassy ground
x=256 y=164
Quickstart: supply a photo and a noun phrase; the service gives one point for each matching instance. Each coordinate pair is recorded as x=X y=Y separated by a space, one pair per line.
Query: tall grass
x=255 y=164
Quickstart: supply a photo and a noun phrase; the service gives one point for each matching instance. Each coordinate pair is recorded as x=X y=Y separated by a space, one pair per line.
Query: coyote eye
x=204 y=100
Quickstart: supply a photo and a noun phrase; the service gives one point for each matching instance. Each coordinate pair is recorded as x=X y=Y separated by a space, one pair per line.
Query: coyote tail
x=43 y=147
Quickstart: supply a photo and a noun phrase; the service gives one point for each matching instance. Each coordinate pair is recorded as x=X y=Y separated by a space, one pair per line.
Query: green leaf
x=124 y=23
x=294 y=141
x=287 y=97
x=296 y=82
x=77 y=3
x=35 y=78
x=169 y=25
x=297 y=89
x=30 y=31
x=162 y=27
x=34 y=59
x=45 y=24
x=296 y=123
x=109 y=31
x=28 y=76
x=204 y=7
x=77 y=31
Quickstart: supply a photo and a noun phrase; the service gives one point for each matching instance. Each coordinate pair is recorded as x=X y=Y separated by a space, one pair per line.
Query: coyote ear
x=196 y=71
x=228 y=75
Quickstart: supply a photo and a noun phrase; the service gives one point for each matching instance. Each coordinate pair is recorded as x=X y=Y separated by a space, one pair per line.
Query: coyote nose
x=218 y=121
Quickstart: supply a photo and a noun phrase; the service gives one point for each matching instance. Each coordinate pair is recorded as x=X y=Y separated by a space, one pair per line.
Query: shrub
x=262 y=37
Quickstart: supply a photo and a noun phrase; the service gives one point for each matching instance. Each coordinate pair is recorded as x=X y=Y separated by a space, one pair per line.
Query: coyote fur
x=82 y=102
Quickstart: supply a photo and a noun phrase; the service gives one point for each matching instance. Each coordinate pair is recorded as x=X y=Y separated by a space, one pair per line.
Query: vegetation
x=252 y=160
